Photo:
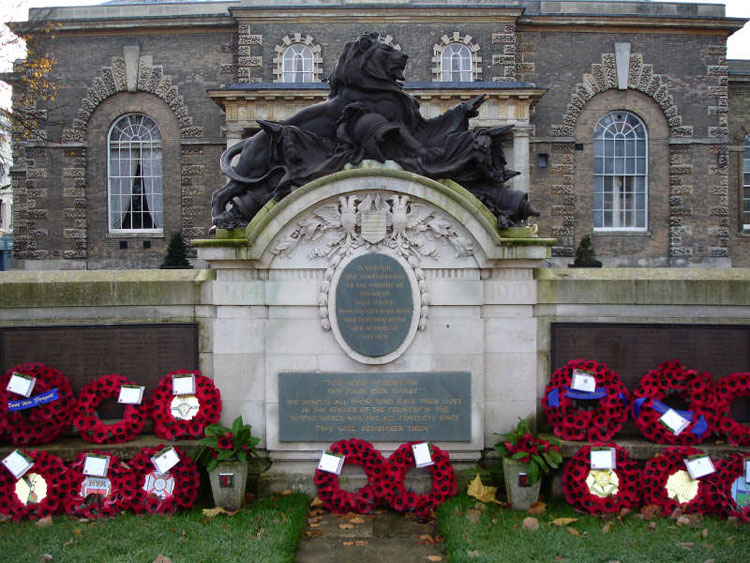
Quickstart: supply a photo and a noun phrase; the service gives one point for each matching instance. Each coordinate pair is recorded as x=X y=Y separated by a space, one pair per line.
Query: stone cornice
x=631 y=23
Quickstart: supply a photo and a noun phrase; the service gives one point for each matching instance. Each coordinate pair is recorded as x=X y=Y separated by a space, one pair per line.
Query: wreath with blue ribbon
x=45 y=415
x=696 y=389
x=607 y=404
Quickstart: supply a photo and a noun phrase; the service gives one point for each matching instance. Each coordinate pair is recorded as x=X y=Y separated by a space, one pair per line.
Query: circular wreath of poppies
x=719 y=487
x=659 y=469
x=578 y=494
x=186 y=483
x=52 y=469
x=443 y=481
x=121 y=489
x=363 y=500
x=45 y=422
x=166 y=426
x=571 y=423
x=695 y=388
x=726 y=390
x=89 y=425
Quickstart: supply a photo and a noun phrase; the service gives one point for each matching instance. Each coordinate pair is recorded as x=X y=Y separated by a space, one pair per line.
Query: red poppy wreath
x=727 y=491
x=697 y=391
x=364 y=499
x=99 y=496
x=443 y=481
x=726 y=390
x=40 y=492
x=601 y=491
x=666 y=482
x=43 y=416
x=609 y=399
x=184 y=415
x=90 y=426
x=163 y=493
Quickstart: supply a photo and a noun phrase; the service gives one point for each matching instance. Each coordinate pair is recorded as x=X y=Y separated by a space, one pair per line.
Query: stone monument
x=354 y=296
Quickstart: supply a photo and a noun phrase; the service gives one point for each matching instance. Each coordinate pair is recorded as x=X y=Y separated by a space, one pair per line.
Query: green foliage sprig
x=521 y=445
x=226 y=444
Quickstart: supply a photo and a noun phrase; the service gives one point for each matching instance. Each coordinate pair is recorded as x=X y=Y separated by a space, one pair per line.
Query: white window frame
x=294 y=56
x=620 y=173
x=134 y=135
x=456 y=52
x=746 y=186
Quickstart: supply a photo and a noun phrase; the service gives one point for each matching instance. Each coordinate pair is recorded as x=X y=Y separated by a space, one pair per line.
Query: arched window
x=455 y=63
x=135 y=177
x=297 y=64
x=620 y=172
x=746 y=186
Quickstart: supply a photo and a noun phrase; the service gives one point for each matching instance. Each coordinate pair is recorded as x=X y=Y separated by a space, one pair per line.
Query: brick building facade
x=581 y=81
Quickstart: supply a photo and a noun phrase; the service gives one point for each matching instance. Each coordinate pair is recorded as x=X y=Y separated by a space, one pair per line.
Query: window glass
x=135 y=176
x=297 y=64
x=456 y=63
x=620 y=172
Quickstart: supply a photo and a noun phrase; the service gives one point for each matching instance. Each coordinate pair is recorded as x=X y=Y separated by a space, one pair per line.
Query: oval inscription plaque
x=374 y=305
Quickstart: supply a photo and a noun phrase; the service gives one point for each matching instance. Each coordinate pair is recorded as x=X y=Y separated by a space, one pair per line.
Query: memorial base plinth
x=519 y=496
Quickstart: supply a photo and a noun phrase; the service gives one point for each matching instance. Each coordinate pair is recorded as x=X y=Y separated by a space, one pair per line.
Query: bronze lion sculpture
x=367 y=116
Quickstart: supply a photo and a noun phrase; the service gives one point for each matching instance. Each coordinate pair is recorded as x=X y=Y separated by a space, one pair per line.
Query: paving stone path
x=368 y=538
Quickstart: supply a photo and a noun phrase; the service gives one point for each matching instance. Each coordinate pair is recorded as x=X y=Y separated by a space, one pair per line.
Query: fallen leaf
x=704 y=533
x=313 y=533
x=652 y=526
x=46 y=557
x=434 y=558
x=347 y=543
x=472 y=515
x=46 y=521
x=573 y=532
x=530 y=523
x=360 y=543
x=314 y=524
x=607 y=527
x=676 y=513
x=162 y=559
x=473 y=553
x=730 y=540
x=286 y=492
x=316 y=502
x=346 y=526
x=538 y=508
x=357 y=520
x=213 y=512
x=563 y=521
x=77 y=532
x=649 y=511
x=69 y=542
x=623 y=513
x=482 y=492
x=685 y=545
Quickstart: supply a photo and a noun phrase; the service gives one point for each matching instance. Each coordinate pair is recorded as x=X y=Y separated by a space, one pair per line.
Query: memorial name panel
x=374 y=305
x=378 y=407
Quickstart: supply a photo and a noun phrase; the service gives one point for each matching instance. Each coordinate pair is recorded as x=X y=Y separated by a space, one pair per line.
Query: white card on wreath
x=747 y=470
x=96 y=465
x=603 y=458
x=18 y=463
x=131 y=394
x=183 y=384
x=21 y=384
x=674 y=421
x=699 y=466
x=583 y=381
x=331 y=462
x=422 y=454
x=165 y=460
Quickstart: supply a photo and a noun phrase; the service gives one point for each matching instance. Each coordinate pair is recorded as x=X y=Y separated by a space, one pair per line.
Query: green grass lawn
x=266 y=530
x=495 y=533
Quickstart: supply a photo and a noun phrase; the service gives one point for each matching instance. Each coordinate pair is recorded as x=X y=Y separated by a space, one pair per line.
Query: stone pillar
x=521 y=157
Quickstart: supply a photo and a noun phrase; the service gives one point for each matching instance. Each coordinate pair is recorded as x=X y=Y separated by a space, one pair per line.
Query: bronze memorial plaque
x=392 y=407
x=374 y=304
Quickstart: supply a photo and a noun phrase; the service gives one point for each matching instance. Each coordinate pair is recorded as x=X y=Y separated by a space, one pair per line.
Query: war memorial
x=373 y=278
